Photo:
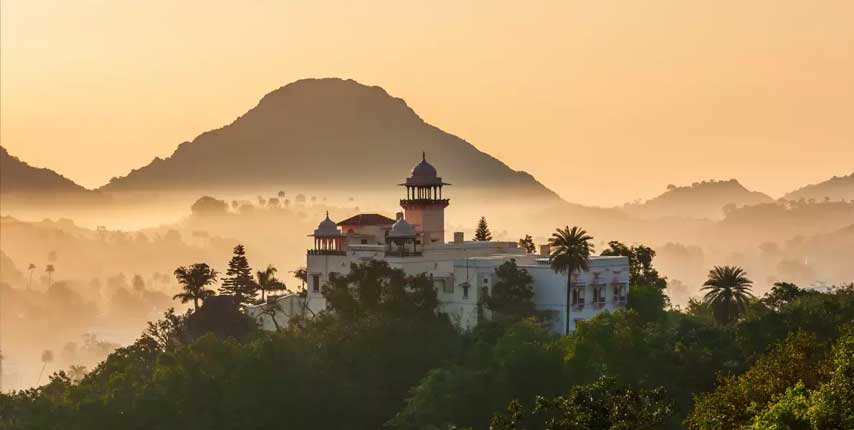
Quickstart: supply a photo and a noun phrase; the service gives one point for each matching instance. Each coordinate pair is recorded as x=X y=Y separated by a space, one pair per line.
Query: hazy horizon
x=662 y=92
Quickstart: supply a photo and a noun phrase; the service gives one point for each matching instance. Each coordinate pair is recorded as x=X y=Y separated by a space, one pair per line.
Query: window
x=578 y=296
x=364 y=241
x=599 y=294
x=620 y=293
x=443 y=286
x=315 y=283
x=466 y=287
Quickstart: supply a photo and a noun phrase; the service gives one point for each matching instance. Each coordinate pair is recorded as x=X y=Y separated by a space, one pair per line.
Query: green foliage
x=738 y=398
x=783 y=293
x=238 y=281
x=786 y=412
x=500 y=363
x=649 y=302
x=822 y=315
x=602 y=405
x=221 y=316
x=795 y=387
x=832 y=404
x=374 y=288
x=512 y=294
x=482 y=233
x=386 y=356
x=641 y=272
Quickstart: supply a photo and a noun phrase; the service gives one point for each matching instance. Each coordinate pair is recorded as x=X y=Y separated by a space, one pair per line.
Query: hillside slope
x=704 y=199
x=17 y=176
x=835 y=188
x=326 y=132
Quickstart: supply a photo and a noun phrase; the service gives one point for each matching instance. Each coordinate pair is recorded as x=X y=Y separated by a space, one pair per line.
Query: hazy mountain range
x=340 y=133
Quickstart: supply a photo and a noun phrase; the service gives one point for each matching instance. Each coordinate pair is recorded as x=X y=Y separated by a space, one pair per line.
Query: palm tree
x=193 y=280
x=570 y=253
x=30 y=268
x=728 y=292
x=267 y=281
x=47 y=357
x=49 y=269
x=301 y=273
x=77 y=372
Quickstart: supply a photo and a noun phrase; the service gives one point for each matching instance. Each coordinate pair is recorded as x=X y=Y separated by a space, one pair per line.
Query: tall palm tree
x=193 y=281
x=267 y=281
x=30 y=268
x=49 y=269
x=728 y=292
x=47 y=357
x=301 y=273
x=570 y=253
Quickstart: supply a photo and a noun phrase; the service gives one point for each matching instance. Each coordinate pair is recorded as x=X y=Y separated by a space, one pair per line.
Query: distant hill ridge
x=704 y=199
x=326 y=132
x=835 y=188
x=17 y=176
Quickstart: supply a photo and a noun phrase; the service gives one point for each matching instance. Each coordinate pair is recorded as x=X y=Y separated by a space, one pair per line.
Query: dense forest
x=384 y=357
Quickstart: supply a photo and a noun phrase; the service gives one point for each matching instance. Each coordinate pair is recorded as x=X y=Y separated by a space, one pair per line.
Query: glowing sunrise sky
x=603 y=101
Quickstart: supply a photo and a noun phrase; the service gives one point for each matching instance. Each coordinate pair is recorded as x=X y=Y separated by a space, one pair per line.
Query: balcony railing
x=425 y=201
x=325 y=252
x=403 y=254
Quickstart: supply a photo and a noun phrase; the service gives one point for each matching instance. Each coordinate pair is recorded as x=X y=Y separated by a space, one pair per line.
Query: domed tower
x=401 y=240
x=424 y=205
x=327 y=238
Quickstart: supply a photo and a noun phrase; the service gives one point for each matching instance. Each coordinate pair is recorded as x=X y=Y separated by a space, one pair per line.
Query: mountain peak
x=704 y=199
x=296 y=133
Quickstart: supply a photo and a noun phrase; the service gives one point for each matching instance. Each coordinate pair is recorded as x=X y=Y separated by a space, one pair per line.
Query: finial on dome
x=423 y=156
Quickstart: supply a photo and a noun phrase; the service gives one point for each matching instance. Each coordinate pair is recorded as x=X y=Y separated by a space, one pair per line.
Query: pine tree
x=238 y=281
x=527 y=243
x=482 y=234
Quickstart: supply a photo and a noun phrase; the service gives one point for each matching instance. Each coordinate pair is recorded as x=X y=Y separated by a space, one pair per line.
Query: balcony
x=325 y=252
x=403 y=253
x=443 y=202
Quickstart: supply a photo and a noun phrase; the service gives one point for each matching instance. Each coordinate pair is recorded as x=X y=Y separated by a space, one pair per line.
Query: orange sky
x=603 y=101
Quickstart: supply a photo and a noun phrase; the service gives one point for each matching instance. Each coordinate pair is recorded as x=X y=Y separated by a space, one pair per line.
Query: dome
x=327 y=228
x=402 y=229
x=424 y=169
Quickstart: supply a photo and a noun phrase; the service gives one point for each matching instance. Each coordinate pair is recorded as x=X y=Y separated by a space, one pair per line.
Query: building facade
x=463 y=272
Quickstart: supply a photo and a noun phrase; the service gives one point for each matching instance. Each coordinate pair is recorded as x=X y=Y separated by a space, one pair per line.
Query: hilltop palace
x=463 y=272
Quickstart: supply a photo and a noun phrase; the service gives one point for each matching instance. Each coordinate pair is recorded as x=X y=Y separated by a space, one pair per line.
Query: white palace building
x=463 y=272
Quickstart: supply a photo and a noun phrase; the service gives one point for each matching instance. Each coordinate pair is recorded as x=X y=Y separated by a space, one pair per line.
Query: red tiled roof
x=367 y=219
